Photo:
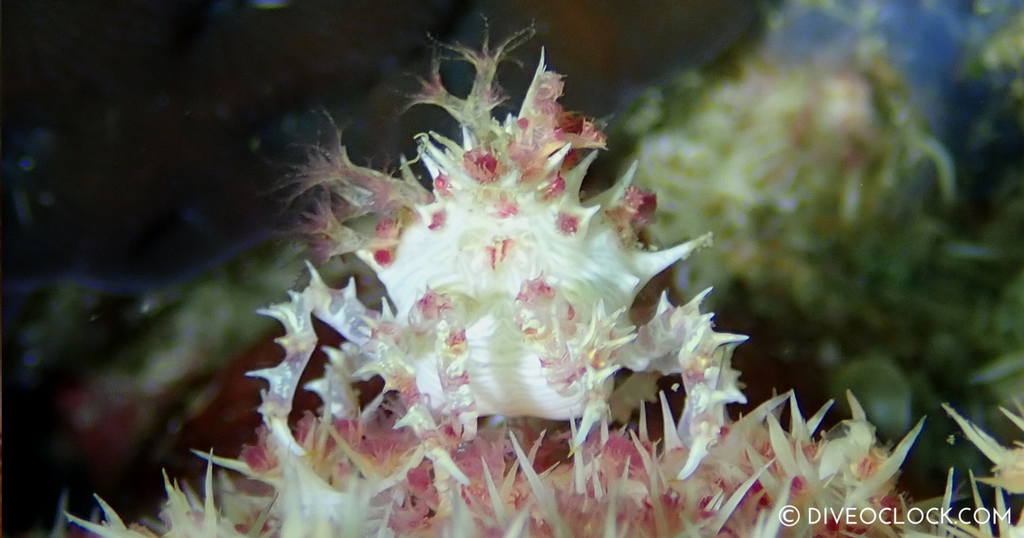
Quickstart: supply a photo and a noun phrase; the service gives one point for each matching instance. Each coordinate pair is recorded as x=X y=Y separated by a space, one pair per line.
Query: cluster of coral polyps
x=510 y=298
x=782 y=161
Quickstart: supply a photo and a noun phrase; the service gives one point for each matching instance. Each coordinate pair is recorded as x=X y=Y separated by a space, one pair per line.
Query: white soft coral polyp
x=511 y=294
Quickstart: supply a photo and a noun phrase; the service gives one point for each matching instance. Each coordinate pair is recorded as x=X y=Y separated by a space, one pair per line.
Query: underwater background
x=861 y=165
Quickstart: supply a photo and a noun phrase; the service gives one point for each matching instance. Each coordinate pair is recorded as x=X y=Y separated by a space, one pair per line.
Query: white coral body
x=500 y=242
x=511 y=294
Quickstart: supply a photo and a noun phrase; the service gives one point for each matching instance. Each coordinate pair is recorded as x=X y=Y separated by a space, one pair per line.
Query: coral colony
x=510 y=298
